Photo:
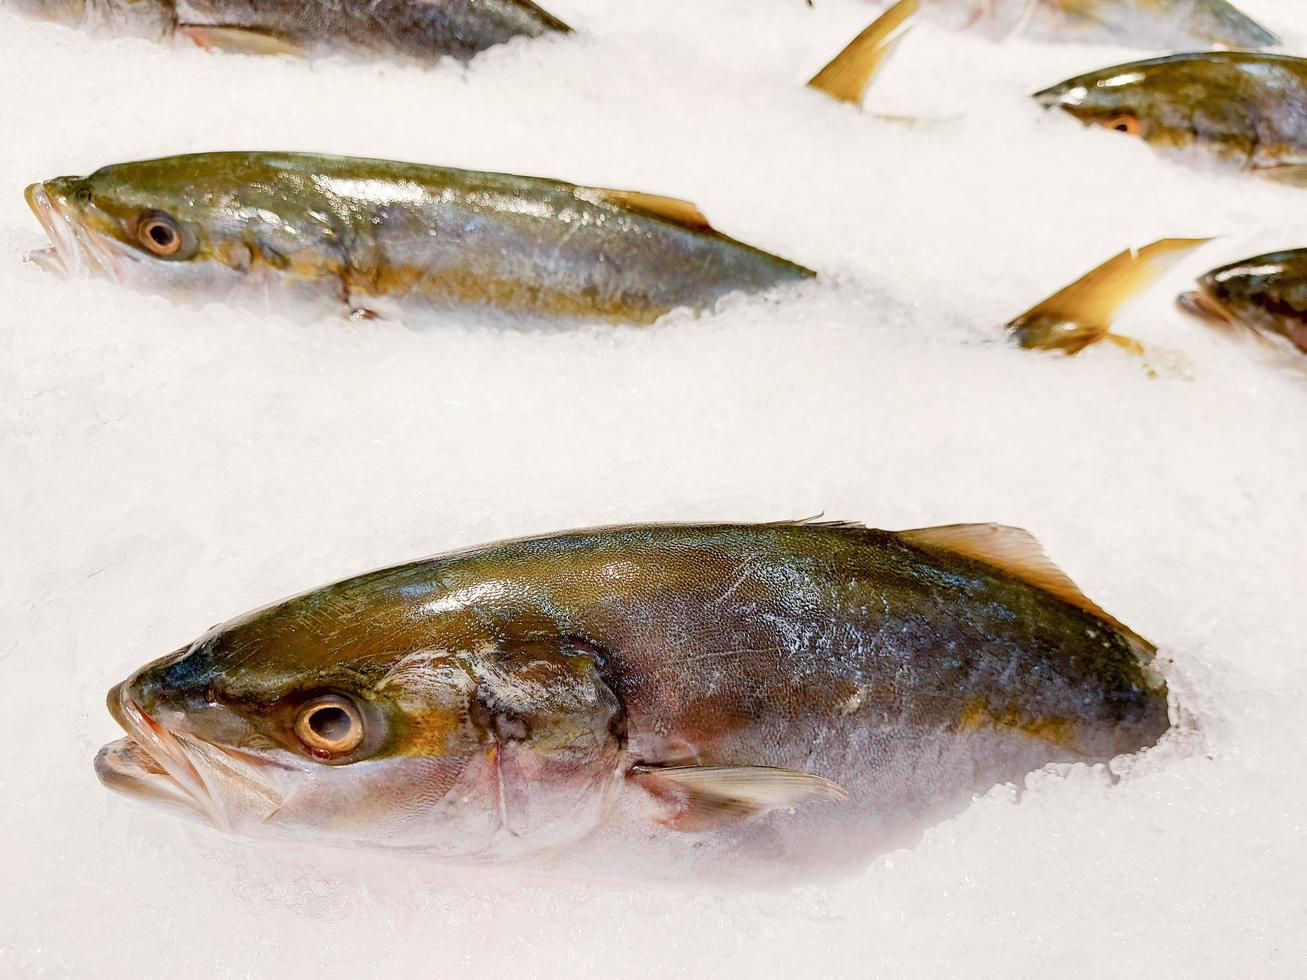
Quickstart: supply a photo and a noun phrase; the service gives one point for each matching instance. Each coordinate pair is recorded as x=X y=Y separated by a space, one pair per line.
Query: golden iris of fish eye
x=329 y=724
x=161 y=235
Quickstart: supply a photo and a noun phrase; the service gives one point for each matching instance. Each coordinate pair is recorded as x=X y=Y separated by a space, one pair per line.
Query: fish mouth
x=75 y=250
x=1202 y=306
x=1062 y=96
x=159 y=765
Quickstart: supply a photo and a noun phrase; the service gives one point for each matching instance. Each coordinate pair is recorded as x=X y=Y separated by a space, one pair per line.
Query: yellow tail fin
x=846 y=78
x=1081 y=314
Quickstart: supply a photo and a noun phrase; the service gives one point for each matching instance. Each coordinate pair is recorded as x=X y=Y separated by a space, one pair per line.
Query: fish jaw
x=76 y=250
x=230 y=791
x=1201 y=304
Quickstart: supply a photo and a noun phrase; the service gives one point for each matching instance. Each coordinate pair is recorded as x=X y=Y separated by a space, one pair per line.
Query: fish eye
x=160 y=234
x=1124 y=123
x=329 y=726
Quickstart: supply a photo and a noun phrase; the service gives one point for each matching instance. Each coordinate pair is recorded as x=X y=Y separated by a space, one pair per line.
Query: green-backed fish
x=1152 y=24
x=786 y=693
x=1241 y=109
x=1266 y=294
x=410 y=30
x=374 y=237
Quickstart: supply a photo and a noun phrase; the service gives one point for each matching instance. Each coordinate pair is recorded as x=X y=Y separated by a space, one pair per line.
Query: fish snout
x=1201 y=305
x=1062 y=96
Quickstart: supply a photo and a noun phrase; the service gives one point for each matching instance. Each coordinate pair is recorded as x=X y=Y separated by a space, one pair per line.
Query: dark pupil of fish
x=1122 y=127
x=161 y=235
x=331 y=724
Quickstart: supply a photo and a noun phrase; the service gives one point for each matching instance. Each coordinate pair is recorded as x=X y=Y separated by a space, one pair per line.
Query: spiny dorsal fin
x=671 y=208
x=1092 y=300
x=1016 y=552
x=816 y=521
x=847 y=76
x=703 y=797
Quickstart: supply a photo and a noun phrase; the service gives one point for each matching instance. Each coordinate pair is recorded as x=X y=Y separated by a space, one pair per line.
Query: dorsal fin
x=816 y=521
x=1015 y=551
x=1092 y=301
x=671 y=208
x=850 y=72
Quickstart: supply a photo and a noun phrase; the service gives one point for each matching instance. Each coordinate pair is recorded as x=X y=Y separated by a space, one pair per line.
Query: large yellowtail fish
x=373 y=237
x=1240 y=109
x=1266 y=294
x=411 y=30
x=779 y=693
x=1153 y=24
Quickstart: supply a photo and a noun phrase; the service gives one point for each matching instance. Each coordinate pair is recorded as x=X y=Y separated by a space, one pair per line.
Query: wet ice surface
x=165 y=468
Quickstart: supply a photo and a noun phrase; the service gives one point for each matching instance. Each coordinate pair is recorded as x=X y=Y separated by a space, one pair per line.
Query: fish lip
x=159 y=745
x=76 y=251
x=180 y=768
x=1200 y=304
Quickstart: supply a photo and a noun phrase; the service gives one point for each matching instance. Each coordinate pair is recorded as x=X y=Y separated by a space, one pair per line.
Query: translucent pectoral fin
x=239 y=40
x=703 y=797
x=1295 y=175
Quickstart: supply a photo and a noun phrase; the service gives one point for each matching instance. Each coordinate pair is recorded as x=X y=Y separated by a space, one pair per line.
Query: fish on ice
x=408 y=30
x=1239 y=109
x=792 y=693
x=1266 y=294
x=1149 y=24
x=372 y=238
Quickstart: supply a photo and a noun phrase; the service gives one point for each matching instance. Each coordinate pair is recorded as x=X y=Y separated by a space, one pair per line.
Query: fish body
x=808 y=691
x=412 y=30
x=1151 y=24
x=1244 y=110
x=373 y=237
x=1266 y=294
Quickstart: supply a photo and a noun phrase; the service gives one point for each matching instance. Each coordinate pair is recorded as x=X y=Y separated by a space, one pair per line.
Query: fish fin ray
x=670 y=208
x=703 y=797
x=1290 y=174
x=816 y=521
x=1092 y=301
x=850 y=72
x=240 y=40
x=1017 y=552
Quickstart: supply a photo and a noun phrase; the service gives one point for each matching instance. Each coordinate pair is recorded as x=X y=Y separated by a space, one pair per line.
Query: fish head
x=204 y=225
x=348 y=718
x=1174 y=102
x=137 y=18
x=1267 y=294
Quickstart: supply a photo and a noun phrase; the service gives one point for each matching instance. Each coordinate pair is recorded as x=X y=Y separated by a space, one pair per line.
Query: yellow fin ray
x=1083 y=311
x=850 y=72
x=1016 y=552
x=669 y=208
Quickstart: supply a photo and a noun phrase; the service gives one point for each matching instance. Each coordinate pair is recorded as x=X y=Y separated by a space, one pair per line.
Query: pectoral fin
x=1081 y=314
x=1295 y=174
x=703 y=797
x=239 y=40
x=847 y=76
